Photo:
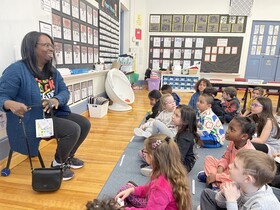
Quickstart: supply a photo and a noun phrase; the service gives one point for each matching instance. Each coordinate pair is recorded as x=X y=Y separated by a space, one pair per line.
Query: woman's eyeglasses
x=48 y=45
x=256 y=105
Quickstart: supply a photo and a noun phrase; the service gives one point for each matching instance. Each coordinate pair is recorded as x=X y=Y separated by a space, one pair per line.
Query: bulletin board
x=75 y=32
x=197 y=23
x=216 y=54
x=109 y=30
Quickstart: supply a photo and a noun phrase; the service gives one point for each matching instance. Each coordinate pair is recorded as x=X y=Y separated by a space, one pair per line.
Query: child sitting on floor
x=210 y=128
x=168 y=187
x=199 y=88
x=217 y=103
x=268 y=131
x=239 y=133
x=163 y=122
x=186 y=138
x=154 y=97
x=257 y=92
x=250 y=173
x=231 y=104
x=168 y=89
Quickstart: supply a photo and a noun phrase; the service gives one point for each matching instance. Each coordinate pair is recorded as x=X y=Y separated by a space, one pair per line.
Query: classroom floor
x=108 y=138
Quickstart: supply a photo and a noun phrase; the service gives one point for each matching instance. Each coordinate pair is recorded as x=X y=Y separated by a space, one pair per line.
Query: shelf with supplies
x=180 y=83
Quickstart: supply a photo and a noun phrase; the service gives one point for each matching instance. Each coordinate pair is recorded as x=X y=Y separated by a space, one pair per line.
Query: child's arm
x=184 y=143
x=246 y=112
x=158 y=197
x=155 y=111
x=225 y=160
x=265 y=133
x=192 y=102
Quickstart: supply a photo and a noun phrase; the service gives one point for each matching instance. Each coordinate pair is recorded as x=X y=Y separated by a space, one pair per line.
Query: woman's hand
x=50 y=104
x=16 y=108
x=124 y=194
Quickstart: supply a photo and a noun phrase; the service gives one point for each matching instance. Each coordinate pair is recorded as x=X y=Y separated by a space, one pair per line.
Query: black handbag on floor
x=44 y=179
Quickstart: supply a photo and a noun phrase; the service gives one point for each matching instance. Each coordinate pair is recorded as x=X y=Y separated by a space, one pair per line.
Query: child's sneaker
x=144 y=165
x=202 y=176
x=140 y=132
x=146 y=171
x=215 y=187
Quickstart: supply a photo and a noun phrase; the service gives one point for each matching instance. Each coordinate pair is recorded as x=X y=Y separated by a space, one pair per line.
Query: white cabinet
x=184 y=83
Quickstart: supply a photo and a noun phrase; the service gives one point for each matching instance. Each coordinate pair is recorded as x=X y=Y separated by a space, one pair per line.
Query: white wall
x=17 y=18
x=262 y=10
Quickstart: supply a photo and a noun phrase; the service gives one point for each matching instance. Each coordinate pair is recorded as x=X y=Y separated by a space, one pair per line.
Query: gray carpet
x=128 y=168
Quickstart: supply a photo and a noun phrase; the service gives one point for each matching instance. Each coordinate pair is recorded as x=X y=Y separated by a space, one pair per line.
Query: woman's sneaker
x=75 y=163
x=67 y=174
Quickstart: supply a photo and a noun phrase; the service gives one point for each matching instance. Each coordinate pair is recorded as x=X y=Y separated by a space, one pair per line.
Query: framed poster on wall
x=154 y=23
x=177 y=24
x=166 y=21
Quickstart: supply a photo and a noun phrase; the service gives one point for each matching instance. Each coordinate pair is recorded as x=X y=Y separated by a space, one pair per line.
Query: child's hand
x=124 y=194
x=230 y=191
x=143 y=126
x=149 y=112
x=210 y=178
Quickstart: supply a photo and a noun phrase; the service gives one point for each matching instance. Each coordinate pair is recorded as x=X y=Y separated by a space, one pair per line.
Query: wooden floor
x=104 y=145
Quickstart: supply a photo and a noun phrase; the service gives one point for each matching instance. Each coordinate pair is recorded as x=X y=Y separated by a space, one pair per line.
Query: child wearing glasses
x=268 y=131
x=257 y=92
x=168 y=89
x=168 y=187
x=163 y=122
x=250 y=173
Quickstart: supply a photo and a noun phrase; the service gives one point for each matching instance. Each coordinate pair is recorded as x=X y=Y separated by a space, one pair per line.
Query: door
x=263 y=56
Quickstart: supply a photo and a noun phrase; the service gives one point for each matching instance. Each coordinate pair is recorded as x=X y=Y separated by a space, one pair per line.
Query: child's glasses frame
x=256 y=105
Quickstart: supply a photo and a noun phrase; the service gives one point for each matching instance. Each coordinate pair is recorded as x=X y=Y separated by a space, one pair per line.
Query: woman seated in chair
x=29 y=89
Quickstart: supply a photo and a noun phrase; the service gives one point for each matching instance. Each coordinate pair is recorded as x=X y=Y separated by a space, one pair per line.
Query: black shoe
x=144 y=165
x=67 y=174
x=133 y=183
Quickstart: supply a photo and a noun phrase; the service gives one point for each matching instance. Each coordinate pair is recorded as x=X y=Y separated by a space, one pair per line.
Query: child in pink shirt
x=169 y=186
x=239 y=133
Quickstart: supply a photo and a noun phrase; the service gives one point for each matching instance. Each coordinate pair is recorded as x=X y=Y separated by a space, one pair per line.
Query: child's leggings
x=160 y=127
x=211 y=166
x=134 y=200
